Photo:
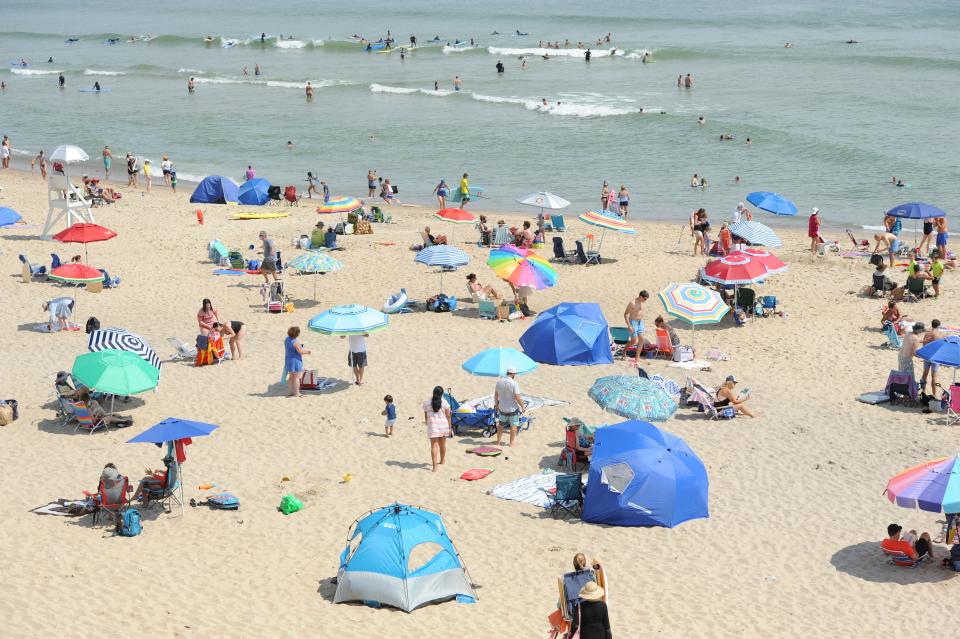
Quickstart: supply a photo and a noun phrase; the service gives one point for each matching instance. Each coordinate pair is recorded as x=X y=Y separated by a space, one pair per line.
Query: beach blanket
x=228 y=271
x=529 y=490
x=697 y=364
x=853 y=254
x=66 y=508
x=532 y=402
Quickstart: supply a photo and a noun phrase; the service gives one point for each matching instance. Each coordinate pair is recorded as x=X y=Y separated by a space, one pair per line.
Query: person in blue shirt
x=391 y=414
x=293 y=360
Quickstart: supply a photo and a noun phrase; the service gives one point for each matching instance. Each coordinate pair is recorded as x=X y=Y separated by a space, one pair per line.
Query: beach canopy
x=933 y=486
x=68 y=154
x=350 y=319
x=734 y=268
x=569 y=334
x=772 y=203
x=76 y=274
x=115 y=372
x=8 y=217
x=457 y=216
x=375 y=565
x=608 y=221
x=119 y=339
x=495 y=362
x=916 y=211
x=643 y=476
x=633 y=397
x=942 y=351
x=254 y=192
x=544 y=200
x=340 y=205
x=171 y=429
x=522 y=267
x=755 y=233
x=215 y=189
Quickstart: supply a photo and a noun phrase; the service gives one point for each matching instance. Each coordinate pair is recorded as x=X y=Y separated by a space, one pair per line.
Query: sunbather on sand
x=435 y=239
x=96 y=410
x=726 y=397
x=892 y=314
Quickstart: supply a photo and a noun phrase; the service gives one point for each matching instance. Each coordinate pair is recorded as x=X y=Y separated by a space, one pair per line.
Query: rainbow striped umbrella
x=933 y=486
x=693 y=303
x=340 y=205
x=607 y=220
x=522 y=267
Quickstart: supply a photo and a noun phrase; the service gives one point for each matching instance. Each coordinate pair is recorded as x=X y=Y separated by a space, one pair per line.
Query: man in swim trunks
x=371 y=182
x=890 y=241
x=464 y=191
x=942 y=235
x=633 y=316
x=269 y=264
x=190 y=86
x=107 y=159
x=623 y=198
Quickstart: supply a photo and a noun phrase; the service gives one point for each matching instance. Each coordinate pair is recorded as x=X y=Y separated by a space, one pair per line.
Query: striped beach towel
x=529 y=490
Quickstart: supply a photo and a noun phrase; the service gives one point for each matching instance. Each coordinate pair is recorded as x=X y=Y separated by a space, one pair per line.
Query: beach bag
x=290 y=504
x=93 y=324
x=236 y=259
x=224 y=501
x=129 y=523
x=876 y=259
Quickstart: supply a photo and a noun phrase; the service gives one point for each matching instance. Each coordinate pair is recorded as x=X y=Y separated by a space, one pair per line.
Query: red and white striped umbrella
x=735 y=268
x=771 y=262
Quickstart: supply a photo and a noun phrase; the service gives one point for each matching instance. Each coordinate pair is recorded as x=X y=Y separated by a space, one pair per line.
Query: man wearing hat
x=591 y=620
x=911 y=343
x=508 y=405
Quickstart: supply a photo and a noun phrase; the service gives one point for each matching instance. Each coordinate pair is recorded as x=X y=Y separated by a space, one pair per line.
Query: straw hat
x=591 y=592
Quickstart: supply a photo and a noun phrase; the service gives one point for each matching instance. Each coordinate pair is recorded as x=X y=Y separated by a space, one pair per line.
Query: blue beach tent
x=643 y=476
x=254 y=192
x=215 y=189
x=569 y=335
x=375 y=566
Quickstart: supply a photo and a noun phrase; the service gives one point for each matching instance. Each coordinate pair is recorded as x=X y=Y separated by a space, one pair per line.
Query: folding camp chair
x=85 y=418
x=182 y=350
x=166 y=494
x=560 y=254
x=664 y=347
x=587 y=258
x=487 y=309
x=570 y=455
x=953 y=406
x=705 y=399
x=858 y=245
x=109 y=282
x=110 y=499
x=501 y=236
x=916 y=289
x=568 y=496
x=746 y=299
x=769 y=304
x=558 y=224
x=893 y=340
x=900 y=559
x=484 y=419
x=901 y=383
x=35 y=271
x=55 y=261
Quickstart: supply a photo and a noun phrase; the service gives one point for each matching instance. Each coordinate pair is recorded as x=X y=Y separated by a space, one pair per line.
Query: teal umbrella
x=351 y=319
x=115 y=372
x=314 y=261
x=633 y=397
x=495 y=362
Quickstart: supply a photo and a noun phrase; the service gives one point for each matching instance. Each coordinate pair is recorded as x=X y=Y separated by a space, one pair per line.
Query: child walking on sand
x=391 y=414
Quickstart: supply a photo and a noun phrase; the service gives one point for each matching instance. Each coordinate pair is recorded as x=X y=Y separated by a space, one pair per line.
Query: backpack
x=223 y=501
x=93 y=324
x=128 y=525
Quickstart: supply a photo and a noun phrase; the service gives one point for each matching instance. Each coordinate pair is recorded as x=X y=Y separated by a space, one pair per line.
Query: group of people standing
x=615 y=200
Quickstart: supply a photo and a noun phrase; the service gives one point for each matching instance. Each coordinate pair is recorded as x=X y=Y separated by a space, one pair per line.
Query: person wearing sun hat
x=591 y=620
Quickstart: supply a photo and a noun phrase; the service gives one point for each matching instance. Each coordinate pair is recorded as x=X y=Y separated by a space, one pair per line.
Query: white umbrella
x=544 y=200
x=69 y=153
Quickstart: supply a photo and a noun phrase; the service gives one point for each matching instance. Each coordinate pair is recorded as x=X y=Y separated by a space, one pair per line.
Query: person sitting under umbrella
x=154 y=481
x=584 y=440
x=725 y=397
x=484 y=293
x=912 y=545
x=434 y=239
x=82 y=395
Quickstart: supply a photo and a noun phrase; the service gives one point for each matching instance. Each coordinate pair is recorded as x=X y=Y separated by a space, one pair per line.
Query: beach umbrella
x=735 y=268
x=945 y=352
x=68 y=154
x=171 y=429
x=351 y=319
x=756 y=233
x=643 y=476
x=76 y=274
x=119 y=339
x=115 y=372
x=522 y=267
x=254 y=192
x=694 y=304
x=8 y=217
x=314 y=261
x=933 y=486
x=457 y=216
x=495 y=362
x=916 y=211
x=84 y=233
x=443 y=255
x=608 y=221
x=544 y=200
x=569 y=334
x=633 y=397
x=771 y=262
x=772 y=203
x=340 y=205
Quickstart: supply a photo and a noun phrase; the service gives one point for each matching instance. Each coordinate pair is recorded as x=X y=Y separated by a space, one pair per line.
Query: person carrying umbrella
x=508 y=405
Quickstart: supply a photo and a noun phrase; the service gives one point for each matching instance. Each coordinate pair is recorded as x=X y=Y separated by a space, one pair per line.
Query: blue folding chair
x=55 y=261
x=557 y=222
x=35 y=271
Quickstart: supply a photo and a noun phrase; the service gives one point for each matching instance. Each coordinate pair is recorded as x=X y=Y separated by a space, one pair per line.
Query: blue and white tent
x=376 y=566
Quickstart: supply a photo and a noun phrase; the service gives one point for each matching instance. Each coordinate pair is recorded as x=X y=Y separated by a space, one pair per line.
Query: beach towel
x=476 y=473
x=228 y=271
x=697 y=364
x=671 y=387
x=532 y=402
x=529 y=490
x=66 y=508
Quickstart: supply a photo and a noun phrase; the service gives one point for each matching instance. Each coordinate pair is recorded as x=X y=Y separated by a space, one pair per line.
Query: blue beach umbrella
x=916 y=211
x=254 y=192
x=172 y=429
x=351 y=319
x=772 y=203
x=8 y=217
x=442 y=255
x=643 y=476
x=633 y=397
x=569 y=334
x=495 y=362
x=945 y=352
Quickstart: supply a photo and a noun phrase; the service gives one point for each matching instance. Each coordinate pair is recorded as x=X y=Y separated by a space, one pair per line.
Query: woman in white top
x=436 y=415
x=166 y=166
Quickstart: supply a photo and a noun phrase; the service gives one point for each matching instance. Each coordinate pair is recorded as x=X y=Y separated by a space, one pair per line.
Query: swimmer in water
x=50 y=60
x=587 y=55
x=245 y=72
x=544 y=103
x=646 y=58
x=701 y=120
x=788 y=45
x=724 y=136
x=436 y=85
x=749 y=142
x=263 y=37
x=62 y=81
x=546 y=56
x=457 y=83
x=190 y=86
x=523 y=63
x=309 y=90
x=736 y=180
x=852 y=42
x=96 y=86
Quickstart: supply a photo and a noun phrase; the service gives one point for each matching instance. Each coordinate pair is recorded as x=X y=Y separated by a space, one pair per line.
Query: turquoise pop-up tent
x=215 y=189
x=376 y=565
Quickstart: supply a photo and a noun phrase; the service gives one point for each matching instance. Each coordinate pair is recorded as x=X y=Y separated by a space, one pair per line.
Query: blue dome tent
x=643 y=476
x=376 y=566
x=215 y=189
x=254 y=192
x=569 y=335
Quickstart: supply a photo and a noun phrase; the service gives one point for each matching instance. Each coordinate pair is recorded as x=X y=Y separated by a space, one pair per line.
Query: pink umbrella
x=736 y=268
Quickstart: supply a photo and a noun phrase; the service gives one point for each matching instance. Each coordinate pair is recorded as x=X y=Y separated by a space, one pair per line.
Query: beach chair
x=556 y=221
x=487 y=309
x=209 y=351
x=901 y=383
x=570 y=455
x=746 y=298
x=586 y=258
x=85 y=419
x=109 y=282
x=484 y=419
x=567 y=498
x=893 y=340
x=560 y=254
x=167 y=494
x=501 y=236
x=953 y=406
x=570 y=585
x=705 y=398
x=769 y=304
x=291 y=196
x=35 y=271
x=181 y=350
x=900 y=559
x=55 y=261
x=916 y=289
x=110 y=500
x=664 y=347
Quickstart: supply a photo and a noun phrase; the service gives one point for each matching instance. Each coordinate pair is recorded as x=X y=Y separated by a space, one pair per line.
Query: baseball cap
x=511 y=371
x=731 y=378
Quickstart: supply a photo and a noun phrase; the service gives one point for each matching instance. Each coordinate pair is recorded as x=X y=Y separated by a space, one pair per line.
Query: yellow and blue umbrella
x=633 y=397
x=693 y=303
x=495 y=362
x=351 y=319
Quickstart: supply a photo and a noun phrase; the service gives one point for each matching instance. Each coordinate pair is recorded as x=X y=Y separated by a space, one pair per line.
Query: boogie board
x=228 y=43
x=94 y=91
x=406 y=48
x=456 y=196
x=258 y=216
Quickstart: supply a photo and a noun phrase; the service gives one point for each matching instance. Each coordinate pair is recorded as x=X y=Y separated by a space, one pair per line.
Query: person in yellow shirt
x=464 y=191
x=146 y=174
x=936 y=272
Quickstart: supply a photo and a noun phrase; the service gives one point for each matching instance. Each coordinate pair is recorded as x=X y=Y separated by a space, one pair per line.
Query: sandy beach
x=796 y=505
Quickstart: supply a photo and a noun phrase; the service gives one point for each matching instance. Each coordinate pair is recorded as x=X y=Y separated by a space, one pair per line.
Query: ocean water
x=830 y=122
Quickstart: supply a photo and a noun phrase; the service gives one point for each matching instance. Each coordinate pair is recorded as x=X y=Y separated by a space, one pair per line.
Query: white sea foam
x=183 y=70
x=452 y=49
x=290 y=44
x=573 y=109
x=282 y=84
x=382 y=88
x=98 y=72
x=33 y=72
x=571 y=53
x=638 y=54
